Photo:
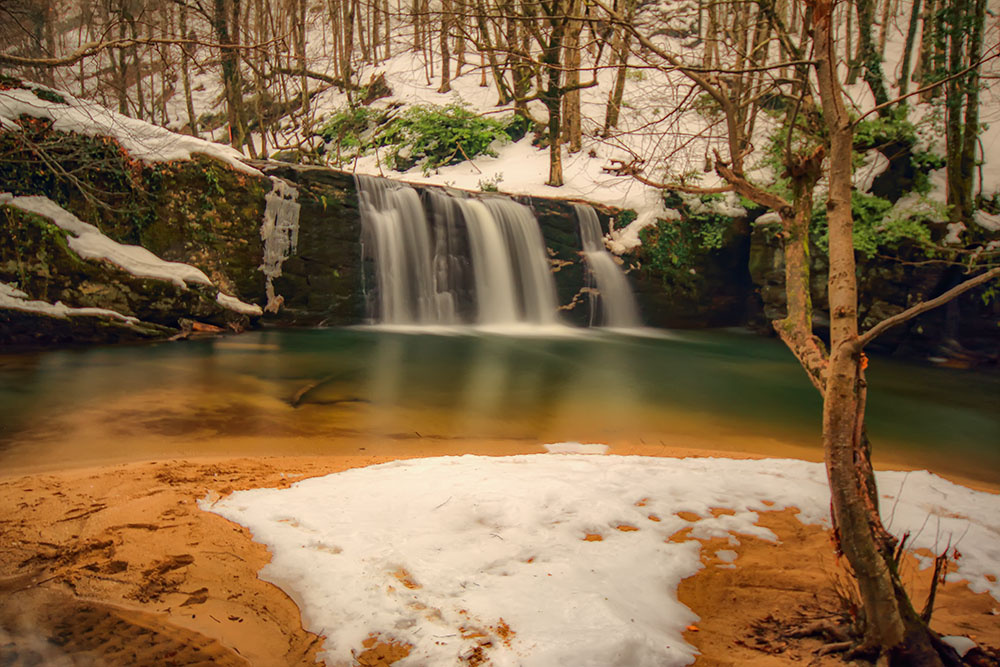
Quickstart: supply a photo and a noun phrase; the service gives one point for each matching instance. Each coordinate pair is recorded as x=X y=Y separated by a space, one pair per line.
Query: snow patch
x=235 y=305
x=620 y=241
x=990 y=221
x=874 y=165
x=961 y=644
x=142 y=140
x=575 y=448
x=441 y=553
x=954 y=236
x=89 y=243
x=15 y=299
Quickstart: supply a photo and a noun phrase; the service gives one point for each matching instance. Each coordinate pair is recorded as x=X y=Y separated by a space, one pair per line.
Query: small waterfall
x=616 y=302
x=467 y=261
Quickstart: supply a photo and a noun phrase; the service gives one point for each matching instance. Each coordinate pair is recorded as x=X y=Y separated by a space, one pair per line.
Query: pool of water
x=344 y=391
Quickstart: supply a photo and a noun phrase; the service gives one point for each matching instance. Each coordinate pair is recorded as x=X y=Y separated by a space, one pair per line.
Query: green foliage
x=673 y=247
x=625 y=218
x=49 y=96
x=875 y=131
x=923 y=163
x=989 y=295
x=431 y=136
x=874 y=225
x=347 y=126
x=491 y=184
x=438 y=136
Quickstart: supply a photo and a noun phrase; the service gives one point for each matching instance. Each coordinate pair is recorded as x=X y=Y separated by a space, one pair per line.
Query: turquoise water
x=283 y=392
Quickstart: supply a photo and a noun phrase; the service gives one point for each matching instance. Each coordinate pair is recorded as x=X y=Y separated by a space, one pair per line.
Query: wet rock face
x=885 y=287
x=208 y=215
x=199 y=212
x=37 y=259
x=713 y=290
x=561 y=232
x=322 y=281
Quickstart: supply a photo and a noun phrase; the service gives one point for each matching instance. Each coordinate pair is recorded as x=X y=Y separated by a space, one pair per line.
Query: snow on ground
x=571 y=552
x=142 y=140
x=15 y=299
x=575 y=448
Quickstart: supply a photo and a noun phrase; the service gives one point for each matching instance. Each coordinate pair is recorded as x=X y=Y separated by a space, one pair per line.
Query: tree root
x=834 y=647
x=824 y=628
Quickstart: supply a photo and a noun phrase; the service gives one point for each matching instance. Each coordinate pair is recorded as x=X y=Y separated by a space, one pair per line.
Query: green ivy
x=876 y=131
x=673 y=247
x=874 y=225
x=438 y=136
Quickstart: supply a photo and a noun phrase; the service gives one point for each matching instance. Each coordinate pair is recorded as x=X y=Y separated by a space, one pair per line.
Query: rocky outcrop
x=712 y=288
x=886 y=286
x=200 y=212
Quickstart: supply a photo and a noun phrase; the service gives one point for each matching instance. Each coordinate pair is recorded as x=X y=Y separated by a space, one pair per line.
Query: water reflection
x=348 y=390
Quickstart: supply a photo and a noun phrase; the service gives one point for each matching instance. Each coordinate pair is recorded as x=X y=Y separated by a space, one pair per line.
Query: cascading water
x=468 y=261
x=616 y=302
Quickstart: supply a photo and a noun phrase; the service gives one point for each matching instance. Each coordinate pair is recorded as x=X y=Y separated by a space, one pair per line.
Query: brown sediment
x=119 y=565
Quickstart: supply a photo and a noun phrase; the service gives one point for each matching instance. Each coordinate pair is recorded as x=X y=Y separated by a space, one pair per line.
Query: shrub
x=431 y=136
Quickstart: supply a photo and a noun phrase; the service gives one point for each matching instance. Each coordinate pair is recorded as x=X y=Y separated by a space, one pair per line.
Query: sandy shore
x=117 y=565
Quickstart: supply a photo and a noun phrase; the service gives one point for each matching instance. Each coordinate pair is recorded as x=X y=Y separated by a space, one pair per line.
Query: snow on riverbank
x=88 y=242
x=553 y=559
x=15 y=299
x=142 y=140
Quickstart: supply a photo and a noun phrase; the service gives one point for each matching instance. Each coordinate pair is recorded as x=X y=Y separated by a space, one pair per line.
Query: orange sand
x=118 y=566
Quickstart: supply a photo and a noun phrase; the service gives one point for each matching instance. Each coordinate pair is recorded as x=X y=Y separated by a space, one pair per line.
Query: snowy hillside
x=661 y=125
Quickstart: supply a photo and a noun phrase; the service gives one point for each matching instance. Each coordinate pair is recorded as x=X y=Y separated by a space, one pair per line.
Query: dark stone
x=715 y=290
x=885 y=287
x=322 y=281
x=38 y=261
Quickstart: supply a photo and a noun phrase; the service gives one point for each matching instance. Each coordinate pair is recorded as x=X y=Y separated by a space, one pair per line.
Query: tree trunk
x=186 y=75
x=300 y=47
x=388 y=31
x=891 y=624
x=445 y=51
x=621 y=51
x=571 y=99
x=954 y=98
x=871 y=59
x=911 y=35
x=970 y=133
x=551 y=95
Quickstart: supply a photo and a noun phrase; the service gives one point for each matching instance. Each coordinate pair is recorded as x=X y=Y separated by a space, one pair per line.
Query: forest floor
x=118 y=566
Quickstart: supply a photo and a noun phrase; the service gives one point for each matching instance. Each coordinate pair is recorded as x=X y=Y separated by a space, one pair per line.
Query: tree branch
x=930 y=86
x=923 y=307
x=93 y=48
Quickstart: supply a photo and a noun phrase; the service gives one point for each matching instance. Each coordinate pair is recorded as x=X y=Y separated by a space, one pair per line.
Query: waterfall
x=465 y=261
x=525 y=247
x=616 y=302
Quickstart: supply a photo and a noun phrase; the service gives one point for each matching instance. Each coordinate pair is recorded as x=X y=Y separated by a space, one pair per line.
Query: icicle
x=280 y=234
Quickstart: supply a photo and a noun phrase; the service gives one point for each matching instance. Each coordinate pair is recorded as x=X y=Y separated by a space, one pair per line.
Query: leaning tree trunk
x=892 y=626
